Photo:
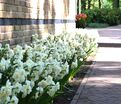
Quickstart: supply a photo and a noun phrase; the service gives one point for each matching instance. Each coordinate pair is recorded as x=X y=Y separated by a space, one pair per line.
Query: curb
x=82 y=85
x=109 y=44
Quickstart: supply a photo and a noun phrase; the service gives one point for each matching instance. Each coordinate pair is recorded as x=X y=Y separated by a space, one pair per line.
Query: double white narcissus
x=5 y=92
x=4 y=64
x=19 y=75
x=27 y=88
x=38 y=69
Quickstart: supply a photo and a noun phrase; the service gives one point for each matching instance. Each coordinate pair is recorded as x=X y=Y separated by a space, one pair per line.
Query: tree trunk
x=89 y=4
x=115 y=3
x=99 y=1
x=83 y=4
x=78 y=6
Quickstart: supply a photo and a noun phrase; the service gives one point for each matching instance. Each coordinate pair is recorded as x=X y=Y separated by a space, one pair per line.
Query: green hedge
x=109 y=16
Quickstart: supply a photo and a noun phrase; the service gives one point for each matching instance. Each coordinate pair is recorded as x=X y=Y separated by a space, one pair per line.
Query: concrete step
x=109 y=42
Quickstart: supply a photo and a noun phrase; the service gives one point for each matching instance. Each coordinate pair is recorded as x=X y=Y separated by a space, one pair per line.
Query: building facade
x=20 y=19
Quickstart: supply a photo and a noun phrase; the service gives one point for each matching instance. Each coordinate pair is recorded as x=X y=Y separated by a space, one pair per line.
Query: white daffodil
x=17 y=88
x=26 y=89
x=19 y=75
x=14 y=100
x=53 y=89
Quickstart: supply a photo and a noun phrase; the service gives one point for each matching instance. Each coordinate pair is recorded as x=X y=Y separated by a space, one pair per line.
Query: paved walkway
x=102 y=83
x=110 y=35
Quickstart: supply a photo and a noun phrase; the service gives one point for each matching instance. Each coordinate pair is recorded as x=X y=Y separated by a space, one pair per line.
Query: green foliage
x=113 y=17
x=107 y=4
x=96 y=15
x=92 y=4
x=105 y=15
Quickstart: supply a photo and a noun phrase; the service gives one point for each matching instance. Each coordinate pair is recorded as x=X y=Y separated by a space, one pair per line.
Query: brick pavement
x=102 y=83
x=110 y=36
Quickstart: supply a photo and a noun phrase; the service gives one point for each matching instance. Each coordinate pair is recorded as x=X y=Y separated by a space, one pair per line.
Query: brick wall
x=19 y=19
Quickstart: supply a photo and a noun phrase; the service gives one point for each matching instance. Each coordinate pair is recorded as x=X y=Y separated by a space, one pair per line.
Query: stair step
x=109 y=44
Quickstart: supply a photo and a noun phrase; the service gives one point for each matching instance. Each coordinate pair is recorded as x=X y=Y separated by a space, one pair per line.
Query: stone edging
x=82 y=85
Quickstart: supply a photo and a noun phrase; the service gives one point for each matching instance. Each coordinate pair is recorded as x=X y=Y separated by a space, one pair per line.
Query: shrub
x=113 y=17
x=104 y=15
x=81 y=20
x=96 y=15
x=37 y=73
x=119 y=14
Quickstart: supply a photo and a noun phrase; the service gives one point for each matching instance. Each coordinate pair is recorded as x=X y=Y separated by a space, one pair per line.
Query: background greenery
x=106 y=12
x=104 y=15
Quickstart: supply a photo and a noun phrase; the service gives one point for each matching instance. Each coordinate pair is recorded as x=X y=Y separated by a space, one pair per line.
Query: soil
x=72 y=86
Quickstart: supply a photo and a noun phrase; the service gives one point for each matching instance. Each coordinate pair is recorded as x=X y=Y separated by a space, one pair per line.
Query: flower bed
x=38 y=72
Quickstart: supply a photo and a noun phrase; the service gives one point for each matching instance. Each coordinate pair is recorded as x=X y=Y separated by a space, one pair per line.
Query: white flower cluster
x=37 y=69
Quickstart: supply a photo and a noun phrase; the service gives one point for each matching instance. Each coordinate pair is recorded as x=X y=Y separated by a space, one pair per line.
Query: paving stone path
x=102 y=83
x=110 y=35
